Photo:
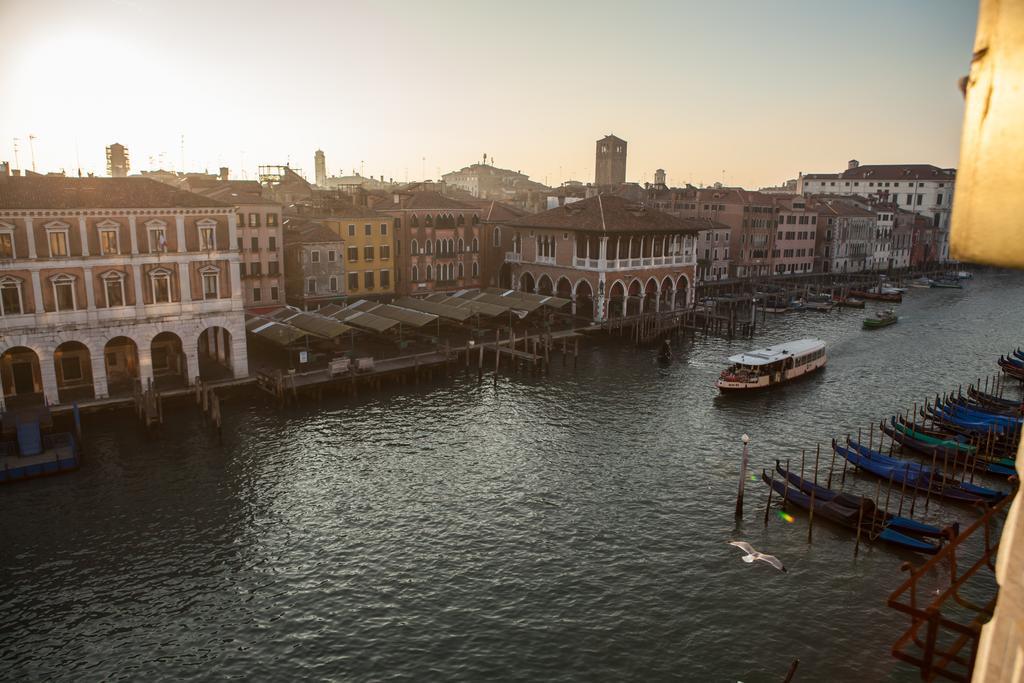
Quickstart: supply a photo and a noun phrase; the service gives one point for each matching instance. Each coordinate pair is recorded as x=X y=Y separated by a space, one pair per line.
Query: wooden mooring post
x=743 y=476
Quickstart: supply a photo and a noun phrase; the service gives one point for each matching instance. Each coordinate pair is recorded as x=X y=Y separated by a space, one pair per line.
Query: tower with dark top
x=610 y=168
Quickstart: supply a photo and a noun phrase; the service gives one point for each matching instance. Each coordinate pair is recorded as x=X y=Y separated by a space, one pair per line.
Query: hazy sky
x=757 y=90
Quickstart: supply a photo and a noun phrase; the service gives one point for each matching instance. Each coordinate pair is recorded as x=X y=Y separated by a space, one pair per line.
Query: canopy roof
x=313 y=323
x=552 y=301
x=438 y=308
x=470 y=302
x=774 y=354
x=406 y=316
x=274 y=332
x=365 y=320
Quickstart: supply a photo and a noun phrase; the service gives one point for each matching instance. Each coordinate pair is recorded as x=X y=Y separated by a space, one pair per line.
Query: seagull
x=752 y=555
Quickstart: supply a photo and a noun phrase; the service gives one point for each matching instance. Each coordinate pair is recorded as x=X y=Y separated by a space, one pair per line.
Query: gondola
x=994 y=400
x=823 y=493
x=850 y=517
x=665 y=354
x=915 y=476
x=975 y=404
x=961 y=455
x=1011 y=369
x=1008 y=422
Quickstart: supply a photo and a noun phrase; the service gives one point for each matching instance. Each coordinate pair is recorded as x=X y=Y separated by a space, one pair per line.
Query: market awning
x=437 y=308
x=364 y=320
x=406 y=316
x=542 y=299
x=280 y=334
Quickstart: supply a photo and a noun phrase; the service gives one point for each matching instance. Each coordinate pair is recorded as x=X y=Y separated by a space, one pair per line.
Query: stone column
x=184 y=283
x=673 y=297
x=31 y=237
x=99 y=373
x=191 y=369
x=602 y=252
x=132 y=235
x=239 y=359
x=145 y=365
x=179 y=222
x=90 y=295
x=48 y=371
x=37 y=293
x=83 y=235
x=137 y=282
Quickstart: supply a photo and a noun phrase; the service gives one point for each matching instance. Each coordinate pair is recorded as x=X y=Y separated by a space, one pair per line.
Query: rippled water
x=566 y=528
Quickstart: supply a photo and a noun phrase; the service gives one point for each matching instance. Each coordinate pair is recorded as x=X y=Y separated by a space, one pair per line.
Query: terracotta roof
x=308 y=232
x=235 y=192
x=340 y=213
x=888 y=172
x=844 y=209
x=427 y=200
x=496 y=212
x=610 y=214
x=45 y=192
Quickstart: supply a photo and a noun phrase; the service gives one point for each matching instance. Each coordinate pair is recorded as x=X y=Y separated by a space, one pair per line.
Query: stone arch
x=170 y=365
x=214 y=352
x=462 y=246
x=121 y=365
x=651 y=289
x=545 y=286
x=616 y=299
x=505 y=276
x=564 y=288
x=428 y=247
x=665 y=294
x=527 y=282
x=462 y=270
x=414 y=247
x=72 y=364
x=634 y=297
x=583 y=294
x=683 y=292
x=21 y=376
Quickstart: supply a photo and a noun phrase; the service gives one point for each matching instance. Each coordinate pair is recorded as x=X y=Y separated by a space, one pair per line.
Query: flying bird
x=752 y=555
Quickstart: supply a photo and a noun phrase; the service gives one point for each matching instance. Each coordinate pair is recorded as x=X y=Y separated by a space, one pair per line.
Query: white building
x=922 y=188
x=111 y=283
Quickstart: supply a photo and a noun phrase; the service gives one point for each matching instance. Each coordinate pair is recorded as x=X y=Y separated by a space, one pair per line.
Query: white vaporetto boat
x=774 y=365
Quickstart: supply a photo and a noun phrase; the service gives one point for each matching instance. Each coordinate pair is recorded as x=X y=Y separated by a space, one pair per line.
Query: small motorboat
x=945 y=283
x=849 y=302
x=881 y=319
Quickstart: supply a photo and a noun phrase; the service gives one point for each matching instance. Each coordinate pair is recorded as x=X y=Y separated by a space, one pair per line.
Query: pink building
x=795 y=236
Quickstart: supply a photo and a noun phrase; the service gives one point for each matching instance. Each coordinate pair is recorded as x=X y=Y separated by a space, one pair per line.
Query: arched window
x=430 y=273
x=476 y=269
x=415 y=273
x=476 y=245
x=495 y=238
x=462 y=220
x=429 y=248
x=476 y=219
x=428 y=221
x=414 y=222
x=462 y=246
x=415 y=247
x=462 y=271
x=451 y=246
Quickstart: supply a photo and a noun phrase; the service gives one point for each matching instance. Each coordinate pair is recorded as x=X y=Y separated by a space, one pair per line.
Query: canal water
x=573 y=527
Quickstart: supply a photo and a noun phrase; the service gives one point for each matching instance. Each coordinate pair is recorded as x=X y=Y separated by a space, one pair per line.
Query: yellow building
x=369 y=251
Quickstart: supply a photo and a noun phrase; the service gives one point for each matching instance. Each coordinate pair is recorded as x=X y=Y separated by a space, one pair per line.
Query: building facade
x=437 y=243
x=315 y=271
x=107 y=284
x=795 y=236
x=369 y=239
x=260 y=240
x=320 y=168
x=922 y=188
x=610 y=256
x=117 y=160
x=848 y=239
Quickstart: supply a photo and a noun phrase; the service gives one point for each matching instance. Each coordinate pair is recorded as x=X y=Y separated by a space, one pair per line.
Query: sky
x=749 y=93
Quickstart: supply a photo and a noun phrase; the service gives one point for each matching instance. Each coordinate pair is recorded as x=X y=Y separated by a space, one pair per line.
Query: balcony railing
x=513 y=257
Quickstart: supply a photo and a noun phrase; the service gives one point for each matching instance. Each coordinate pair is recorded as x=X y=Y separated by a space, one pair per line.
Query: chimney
x=223 y=172
x=852 y=164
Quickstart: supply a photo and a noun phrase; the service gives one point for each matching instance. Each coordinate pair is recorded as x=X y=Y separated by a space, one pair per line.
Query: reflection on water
x=554 y=528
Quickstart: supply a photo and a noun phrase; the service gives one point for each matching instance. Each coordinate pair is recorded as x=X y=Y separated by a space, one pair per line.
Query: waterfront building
x=847 y=234
x=111 y=283
x=712 y=245
x=902 y=237
x=492 y=253
x=260 y=238
x=315 y=270
x=610 y=161
x=795 y=235
x=609 y=255
x=369 y=254
x=437 y=242
x=885 y=222
x=922 y=188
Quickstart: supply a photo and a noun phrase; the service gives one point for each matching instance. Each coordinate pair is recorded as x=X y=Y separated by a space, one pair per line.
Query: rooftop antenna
x=78 y=159
x=360 y=167
x=182 y=152
x=17 y=163
x=423 y=168
x=32 y=149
